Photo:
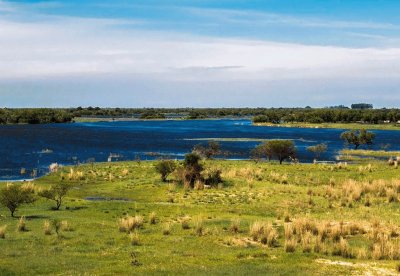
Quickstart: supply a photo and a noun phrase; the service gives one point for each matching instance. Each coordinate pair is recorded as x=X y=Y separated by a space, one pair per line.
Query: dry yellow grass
x=3 y=230
x=128 y=224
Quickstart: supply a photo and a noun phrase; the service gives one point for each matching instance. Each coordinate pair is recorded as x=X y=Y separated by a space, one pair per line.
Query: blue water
x=22 y=146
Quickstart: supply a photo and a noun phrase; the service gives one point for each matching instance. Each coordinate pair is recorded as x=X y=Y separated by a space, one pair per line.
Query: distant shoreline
x=351 y=126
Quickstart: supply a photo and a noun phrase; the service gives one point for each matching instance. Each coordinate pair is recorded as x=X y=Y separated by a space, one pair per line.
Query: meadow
x=264 y=219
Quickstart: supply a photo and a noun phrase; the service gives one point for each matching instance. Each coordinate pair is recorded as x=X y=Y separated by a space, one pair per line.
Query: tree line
x=260 y=115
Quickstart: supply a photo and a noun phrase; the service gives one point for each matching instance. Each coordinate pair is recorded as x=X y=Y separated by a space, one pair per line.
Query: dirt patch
x=364 y=269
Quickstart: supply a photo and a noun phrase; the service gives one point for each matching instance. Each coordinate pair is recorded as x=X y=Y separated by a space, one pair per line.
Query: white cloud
x=72 y=55
x=68 y=46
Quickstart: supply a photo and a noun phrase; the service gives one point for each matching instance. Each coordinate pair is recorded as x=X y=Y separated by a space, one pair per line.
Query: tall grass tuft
x=153 y=218
x=128 y=224
x=199 y=227
x=166 y=229
x=47 y=227
x=235 y=226
x=185 y=223
x=135 y=238
x=290 y=245
x=3 y=232
x=264 y=232
x=21 y=227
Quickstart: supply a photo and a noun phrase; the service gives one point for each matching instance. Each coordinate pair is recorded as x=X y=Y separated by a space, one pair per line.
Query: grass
x=268 y=227
x=351 y=126
x=370 y=153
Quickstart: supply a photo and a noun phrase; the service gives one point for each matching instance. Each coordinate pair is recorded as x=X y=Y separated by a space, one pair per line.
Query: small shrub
x=165 y=168
x=213 y=177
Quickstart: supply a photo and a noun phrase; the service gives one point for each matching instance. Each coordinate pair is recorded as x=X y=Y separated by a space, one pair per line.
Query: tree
x=317 y=150
x=366 y=137
x=192 y=168
x=262 y=151
x=358 y=138
x=280 y=149
x=13 y=196
x=57 y=192
x=214 y=148
x=165 y=168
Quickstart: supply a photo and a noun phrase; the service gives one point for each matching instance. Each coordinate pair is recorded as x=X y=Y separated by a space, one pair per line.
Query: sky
x=199 y=53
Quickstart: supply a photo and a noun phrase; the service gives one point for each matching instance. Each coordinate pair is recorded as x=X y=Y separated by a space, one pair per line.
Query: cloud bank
x=52 y=59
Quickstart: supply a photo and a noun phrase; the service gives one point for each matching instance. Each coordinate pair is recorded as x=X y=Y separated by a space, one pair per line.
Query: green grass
x=251 y=192
x=353 y=126
x=370 y=153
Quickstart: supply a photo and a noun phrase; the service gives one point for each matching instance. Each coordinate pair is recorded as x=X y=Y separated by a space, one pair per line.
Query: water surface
x=34 y=147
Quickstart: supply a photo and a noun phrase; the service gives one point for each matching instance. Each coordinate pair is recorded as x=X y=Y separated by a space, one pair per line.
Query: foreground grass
x=202 y=231
x=351 y=126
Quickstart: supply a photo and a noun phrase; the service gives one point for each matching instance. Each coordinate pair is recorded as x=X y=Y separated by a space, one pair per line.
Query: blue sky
x=199 y=53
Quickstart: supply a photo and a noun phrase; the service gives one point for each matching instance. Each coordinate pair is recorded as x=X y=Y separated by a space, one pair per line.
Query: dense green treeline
x=328 y=115
x=261 y=115
x=34 y=116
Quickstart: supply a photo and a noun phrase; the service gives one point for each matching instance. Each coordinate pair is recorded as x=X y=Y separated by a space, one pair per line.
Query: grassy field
x=352 y=126
x=337 y=219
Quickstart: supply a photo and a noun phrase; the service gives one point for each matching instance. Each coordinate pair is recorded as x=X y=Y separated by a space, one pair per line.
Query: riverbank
x=370 y=153
x=350 y=126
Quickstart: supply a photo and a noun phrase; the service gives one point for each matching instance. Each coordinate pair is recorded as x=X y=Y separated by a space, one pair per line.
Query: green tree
x=192 y=168
x=165 y=168
x=358 y=138
x=13 y=196
x=317 y=150
x=280 y=149
x=57 y=192
x=213 y=148
x=262 y=151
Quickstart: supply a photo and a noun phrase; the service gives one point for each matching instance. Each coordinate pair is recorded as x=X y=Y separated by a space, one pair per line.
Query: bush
x=165 y=168
x=13 y=196
x=213 y=177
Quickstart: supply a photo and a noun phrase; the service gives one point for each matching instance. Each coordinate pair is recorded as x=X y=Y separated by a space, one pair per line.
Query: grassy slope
x=97 y=247
x=353 y=126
